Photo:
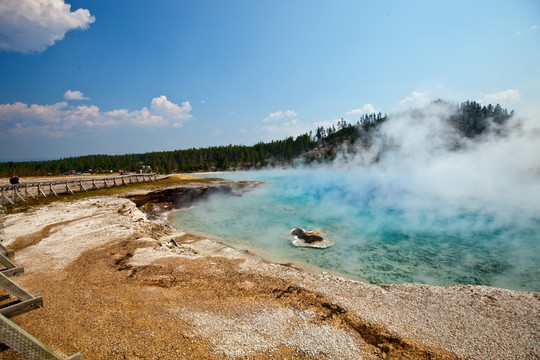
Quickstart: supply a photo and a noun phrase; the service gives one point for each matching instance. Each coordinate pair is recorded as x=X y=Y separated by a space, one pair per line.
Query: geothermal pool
x=387 y=229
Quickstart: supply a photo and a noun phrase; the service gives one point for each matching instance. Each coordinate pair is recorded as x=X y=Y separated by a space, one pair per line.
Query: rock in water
x=313 y=239
x=308 y=236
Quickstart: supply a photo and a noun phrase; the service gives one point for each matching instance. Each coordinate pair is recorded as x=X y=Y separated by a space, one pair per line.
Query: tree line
x=473 y=119
x=189 y=160
x=470 y=118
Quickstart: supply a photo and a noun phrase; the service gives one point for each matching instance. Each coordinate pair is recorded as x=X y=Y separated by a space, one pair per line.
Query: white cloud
x=59 y=119
x=278 y=115
x=326 y=124
x=509 y=95
x=88 y=116
x=415 y=99
x=288 y=126
x=75 y=95
x=33 y=25
x=281 y=131
x=365 y=109
x=161 y=106
x=533 y=28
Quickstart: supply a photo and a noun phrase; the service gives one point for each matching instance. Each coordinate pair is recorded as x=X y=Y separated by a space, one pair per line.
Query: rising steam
x=421 y=204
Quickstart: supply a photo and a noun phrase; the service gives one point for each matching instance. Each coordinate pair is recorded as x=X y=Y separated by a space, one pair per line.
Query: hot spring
x=385 y=231
x=422 y=204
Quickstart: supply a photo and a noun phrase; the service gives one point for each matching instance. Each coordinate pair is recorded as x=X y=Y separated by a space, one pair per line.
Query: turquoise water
x=387 y=230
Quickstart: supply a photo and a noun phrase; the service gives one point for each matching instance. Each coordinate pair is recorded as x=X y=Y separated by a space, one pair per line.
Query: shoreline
x=268 y=257
x=221 y=302
x=251 y=245
x=165 y=216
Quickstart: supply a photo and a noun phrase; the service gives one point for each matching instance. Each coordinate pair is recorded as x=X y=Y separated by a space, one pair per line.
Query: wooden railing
x=11 y=194
x=15 y=300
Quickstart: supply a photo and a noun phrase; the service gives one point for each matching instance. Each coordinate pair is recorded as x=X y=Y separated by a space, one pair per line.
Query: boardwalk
x=11 y=194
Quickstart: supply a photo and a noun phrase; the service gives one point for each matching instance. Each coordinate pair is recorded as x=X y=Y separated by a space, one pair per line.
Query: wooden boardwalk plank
x=18 y=307
x=11 y=335
x=14 y=271
x=25 y=344
x=13 y=288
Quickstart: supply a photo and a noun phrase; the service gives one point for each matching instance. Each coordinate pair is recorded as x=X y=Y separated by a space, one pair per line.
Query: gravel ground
x=118 y=286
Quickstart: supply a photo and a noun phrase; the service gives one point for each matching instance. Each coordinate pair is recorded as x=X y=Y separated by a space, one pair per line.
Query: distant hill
x=470 y=119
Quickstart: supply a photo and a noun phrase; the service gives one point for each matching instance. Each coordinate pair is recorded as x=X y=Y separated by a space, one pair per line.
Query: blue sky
x=130 y=76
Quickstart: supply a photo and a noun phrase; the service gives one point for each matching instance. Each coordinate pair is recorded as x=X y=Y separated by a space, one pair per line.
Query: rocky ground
x=117 y=285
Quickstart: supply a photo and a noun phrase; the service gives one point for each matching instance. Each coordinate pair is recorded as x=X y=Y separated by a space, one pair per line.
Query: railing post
x=68 y=188
x=29 y=193
x=6 y=197
x=52 y=190
x=16 y=194
x=40 y=191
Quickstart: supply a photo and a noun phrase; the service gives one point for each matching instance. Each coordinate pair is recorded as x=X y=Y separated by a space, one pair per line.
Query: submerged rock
x=313 y=238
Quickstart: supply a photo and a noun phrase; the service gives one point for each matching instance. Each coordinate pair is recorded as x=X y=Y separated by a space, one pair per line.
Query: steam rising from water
x=435 y=208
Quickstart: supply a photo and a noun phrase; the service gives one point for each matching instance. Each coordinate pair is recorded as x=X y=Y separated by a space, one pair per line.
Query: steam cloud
x=428 y=158
x=423 y=204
